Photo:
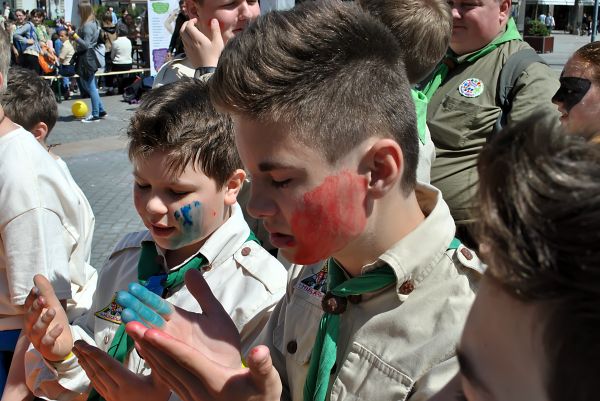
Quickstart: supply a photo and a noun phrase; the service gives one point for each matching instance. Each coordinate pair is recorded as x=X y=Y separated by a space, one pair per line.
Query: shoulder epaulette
x=131 y=240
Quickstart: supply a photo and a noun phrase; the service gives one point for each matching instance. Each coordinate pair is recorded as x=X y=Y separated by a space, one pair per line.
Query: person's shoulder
x=131 y=242
x=261 y=265
x=173 y=71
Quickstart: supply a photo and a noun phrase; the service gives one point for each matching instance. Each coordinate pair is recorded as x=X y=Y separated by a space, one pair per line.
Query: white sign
x=71 y=12
x=161 y=22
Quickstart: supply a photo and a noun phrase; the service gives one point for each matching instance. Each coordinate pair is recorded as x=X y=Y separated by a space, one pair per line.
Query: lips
x=161 y=231
x=282 y=240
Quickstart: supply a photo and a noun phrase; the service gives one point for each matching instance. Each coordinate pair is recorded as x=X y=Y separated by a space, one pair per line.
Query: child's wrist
x=66 y=358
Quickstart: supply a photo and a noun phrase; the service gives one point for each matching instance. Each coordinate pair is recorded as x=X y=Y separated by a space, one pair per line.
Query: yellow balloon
x=79 y=109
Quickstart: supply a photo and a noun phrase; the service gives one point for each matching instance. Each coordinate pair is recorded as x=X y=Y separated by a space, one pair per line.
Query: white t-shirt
x=120 y=52
x=38 y=224
x=83 y=275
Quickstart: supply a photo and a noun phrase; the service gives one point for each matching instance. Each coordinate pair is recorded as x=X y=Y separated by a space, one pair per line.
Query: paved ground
x=564 y=46
x=96 y=156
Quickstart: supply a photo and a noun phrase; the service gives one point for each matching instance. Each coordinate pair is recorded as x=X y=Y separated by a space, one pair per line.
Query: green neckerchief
x=324 y=351
x=122 y=343
x=511 y=33
x=420 y=101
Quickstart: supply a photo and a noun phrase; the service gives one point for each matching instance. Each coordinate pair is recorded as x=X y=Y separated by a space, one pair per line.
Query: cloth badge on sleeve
x=112 y=312
x=471 y=87
x=315 y=285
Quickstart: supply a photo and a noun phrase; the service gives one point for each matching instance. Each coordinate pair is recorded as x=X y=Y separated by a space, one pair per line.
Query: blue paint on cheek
x=196 y=204
x=186 y=214
x=177 y=215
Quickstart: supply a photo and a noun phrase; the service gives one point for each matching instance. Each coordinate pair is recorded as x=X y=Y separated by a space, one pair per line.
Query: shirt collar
x=414 y=256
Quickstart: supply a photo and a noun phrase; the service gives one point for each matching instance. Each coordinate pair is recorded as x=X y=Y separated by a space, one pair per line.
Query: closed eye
x=281 y=184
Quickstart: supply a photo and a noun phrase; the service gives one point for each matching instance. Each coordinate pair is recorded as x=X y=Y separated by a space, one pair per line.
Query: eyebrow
x=467 y=370
x=265 y=167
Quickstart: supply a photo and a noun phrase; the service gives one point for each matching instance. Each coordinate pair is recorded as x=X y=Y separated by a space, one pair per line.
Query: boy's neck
x=6 y=124
x=175 y=257
x=391 y=220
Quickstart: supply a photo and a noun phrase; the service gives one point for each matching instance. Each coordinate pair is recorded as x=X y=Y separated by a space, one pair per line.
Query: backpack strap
x=511 y=71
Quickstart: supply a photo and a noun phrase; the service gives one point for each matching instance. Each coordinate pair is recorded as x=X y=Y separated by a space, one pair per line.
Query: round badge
x=471 y=87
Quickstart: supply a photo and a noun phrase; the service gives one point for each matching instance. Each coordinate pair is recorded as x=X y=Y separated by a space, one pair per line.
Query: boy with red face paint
x=325 y=125
x=187 y=176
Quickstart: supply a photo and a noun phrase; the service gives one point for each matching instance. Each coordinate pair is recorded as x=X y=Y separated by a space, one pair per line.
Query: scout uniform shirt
x=244 y=277
x=394 y=344
x=463 y=111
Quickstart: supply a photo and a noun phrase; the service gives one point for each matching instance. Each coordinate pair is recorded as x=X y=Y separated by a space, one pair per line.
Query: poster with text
x=161 y=23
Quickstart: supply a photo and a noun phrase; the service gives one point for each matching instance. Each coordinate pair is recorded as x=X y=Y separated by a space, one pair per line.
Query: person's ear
x=233 y=186
x=384 y=162
x=40 y=132
x=504 y=10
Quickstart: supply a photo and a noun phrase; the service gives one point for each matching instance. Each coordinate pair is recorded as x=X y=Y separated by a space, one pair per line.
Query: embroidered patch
x=112 y=312
x=471 y=87
x=315 y=285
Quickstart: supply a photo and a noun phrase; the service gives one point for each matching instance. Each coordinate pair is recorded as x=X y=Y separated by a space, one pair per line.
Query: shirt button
x=246 y=251
x=106 y=339
x=466 y=253
x=406 y=288
x=292 y=347
x=206 y=268
x=334 y=304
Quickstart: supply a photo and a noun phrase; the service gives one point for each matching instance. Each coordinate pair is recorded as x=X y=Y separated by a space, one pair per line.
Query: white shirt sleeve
x=35 y=244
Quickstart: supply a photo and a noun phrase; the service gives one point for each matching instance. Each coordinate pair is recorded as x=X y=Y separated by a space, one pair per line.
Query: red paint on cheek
x=331 y=215
x=214 y=213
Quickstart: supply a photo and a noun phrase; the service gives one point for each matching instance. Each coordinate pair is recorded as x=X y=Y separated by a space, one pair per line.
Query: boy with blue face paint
x=187 y=176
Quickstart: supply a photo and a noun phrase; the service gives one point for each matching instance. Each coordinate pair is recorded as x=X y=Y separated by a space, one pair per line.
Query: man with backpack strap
x=465 y=102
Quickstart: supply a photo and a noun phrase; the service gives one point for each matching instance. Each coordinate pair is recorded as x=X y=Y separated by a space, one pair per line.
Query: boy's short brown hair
x=29 y=100
x=540 y=222
x=423 y=29
x=180 y=120
x=330 y=71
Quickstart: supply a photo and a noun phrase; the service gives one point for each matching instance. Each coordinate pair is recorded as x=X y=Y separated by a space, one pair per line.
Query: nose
x=155 y=205
x=259 y=205
x=244 y=11
x=455 y=12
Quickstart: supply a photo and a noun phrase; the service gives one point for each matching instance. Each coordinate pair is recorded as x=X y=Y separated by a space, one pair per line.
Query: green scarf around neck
x=324 y=351
x=511 y=33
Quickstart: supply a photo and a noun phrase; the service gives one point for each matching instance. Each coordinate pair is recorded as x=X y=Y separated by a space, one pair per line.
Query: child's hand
x=196 y=378
x=213 y=332
x=202 y=51
x=113 y=381
x=46 y=323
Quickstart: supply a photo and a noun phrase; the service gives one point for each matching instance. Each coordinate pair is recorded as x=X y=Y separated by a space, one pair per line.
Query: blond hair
x=422 y=27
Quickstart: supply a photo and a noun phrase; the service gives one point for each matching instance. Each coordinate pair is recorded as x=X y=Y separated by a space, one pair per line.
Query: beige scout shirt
x=173 y=71
x=244 y=277
x=460 y=125
x=397 y=344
